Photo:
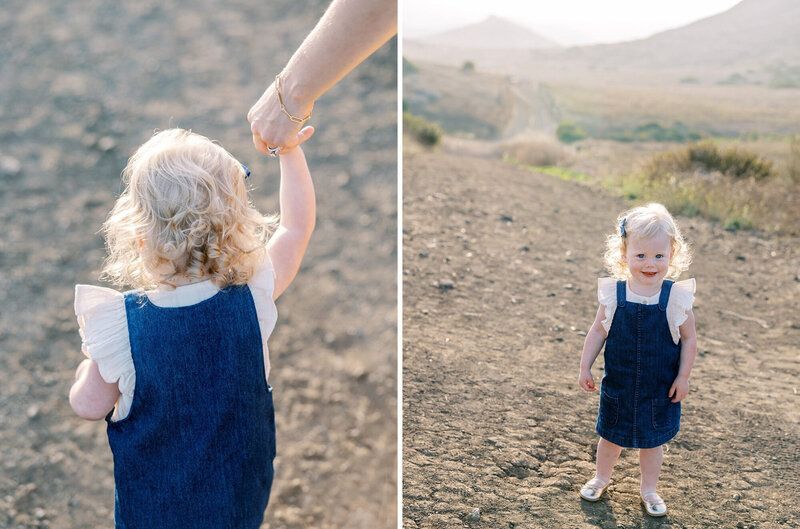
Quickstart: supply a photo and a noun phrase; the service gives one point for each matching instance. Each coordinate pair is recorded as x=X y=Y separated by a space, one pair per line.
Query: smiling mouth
x=649 y=274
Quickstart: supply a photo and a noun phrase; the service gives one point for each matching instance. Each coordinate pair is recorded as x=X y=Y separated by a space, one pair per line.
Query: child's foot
x=653 y=504
x=593 y=489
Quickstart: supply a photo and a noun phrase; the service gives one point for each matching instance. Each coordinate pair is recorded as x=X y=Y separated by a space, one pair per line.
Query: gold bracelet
x=294 y=119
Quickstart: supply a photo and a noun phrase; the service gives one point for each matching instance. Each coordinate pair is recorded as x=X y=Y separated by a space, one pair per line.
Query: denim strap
x=621 y=293
x=666 y=286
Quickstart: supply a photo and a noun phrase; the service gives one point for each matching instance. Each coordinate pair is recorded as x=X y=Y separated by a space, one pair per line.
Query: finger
x=304 y=134
x=672 y=391
x=259 y=144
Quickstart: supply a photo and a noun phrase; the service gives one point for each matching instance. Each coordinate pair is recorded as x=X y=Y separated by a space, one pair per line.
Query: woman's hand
x=271 y=127
x=680 y=388
x=586 y=381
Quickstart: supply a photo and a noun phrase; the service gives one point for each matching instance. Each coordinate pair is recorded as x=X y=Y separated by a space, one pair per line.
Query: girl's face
x=648 y=260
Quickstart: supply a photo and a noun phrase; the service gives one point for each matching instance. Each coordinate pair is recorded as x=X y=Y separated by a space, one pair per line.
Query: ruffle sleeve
x=607 y=296
x=103 y=326
x=681 y=298
x=262 y=285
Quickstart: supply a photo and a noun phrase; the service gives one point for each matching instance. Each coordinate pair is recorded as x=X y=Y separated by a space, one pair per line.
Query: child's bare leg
x=650 y=460
x=607 y=455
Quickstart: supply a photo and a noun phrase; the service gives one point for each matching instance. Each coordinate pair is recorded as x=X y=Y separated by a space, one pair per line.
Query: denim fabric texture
x=175 y=466
x=641 y=363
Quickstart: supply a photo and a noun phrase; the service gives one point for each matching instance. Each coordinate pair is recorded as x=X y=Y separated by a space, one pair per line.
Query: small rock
x=569 y=286
x=89 y=140
x=39 y=513
x=740 y=525
x=33 y=411
x=446 y=285
x=423 y=255
x=525 y=249
x=506 y=218
x=9 y=166
x=475 y=515
x=736 y=497
x=106 y=143
x=425 y=312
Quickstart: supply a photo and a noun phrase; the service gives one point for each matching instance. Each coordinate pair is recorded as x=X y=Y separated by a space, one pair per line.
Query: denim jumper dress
x=641 y=363
x=197 y=447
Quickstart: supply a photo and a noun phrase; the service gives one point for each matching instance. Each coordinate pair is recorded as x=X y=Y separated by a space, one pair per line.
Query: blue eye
x=640 y=255
x=659 y=255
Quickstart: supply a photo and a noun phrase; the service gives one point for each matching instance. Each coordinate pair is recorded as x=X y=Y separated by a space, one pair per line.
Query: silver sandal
x=593 y=489
x=654 y=505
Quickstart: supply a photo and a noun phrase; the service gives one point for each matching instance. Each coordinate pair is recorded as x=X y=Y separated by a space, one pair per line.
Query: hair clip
x=623 y=234
x=246 y=171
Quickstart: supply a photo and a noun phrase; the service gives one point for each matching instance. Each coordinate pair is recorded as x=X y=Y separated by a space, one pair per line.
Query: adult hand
x=304 y=134
x=270 y=126
x=680 y=388
x=586 y=381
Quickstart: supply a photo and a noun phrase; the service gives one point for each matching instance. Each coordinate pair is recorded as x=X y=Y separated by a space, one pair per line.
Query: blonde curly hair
x=184 y=212
x=646 y=221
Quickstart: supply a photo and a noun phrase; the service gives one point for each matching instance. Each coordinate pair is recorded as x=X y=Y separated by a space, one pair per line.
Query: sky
x=568 y=22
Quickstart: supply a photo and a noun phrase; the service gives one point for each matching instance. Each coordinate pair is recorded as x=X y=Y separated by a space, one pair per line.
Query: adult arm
x=288 y=244
x=595 y=339
x=348 y=32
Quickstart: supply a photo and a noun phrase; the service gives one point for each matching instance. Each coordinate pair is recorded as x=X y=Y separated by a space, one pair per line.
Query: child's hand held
x=304 y=134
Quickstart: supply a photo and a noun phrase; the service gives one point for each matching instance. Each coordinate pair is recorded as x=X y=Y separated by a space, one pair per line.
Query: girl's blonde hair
x=185 y=206
x=646 y=221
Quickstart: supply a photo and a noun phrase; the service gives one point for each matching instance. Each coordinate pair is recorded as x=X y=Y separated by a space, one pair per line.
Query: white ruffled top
x=681 y=298
x=103 y=325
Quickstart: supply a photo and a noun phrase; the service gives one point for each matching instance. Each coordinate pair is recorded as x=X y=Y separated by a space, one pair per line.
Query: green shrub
x=652 y=131
x=793 y=165
x=733 y=79
x=421 y=129
x=783 y=80
x=468 y=67
x=706 y=157
x=569 y=132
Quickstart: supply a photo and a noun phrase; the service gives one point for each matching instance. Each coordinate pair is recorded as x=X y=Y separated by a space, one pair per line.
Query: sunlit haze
x=568 y=22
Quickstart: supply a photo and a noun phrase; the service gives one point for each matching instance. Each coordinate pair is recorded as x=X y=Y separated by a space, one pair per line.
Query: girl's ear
x=623 y=255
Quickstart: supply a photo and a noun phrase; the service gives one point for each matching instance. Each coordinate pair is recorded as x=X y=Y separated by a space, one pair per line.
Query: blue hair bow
x=246 y=170
x=622 y=232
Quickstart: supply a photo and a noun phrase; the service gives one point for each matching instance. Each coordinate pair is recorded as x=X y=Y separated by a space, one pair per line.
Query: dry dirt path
x=499 y=283
x=84 y=83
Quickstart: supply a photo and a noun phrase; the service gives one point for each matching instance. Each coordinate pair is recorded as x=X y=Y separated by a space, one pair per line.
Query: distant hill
x=494 y=33
x=751 y=32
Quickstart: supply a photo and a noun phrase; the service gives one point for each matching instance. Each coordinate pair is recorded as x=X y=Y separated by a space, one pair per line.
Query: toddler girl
x=647 y=325
x=183 y=360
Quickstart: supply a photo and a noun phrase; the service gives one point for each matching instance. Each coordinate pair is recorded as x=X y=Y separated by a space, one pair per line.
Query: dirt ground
x=499 y=287
x=85 y=83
